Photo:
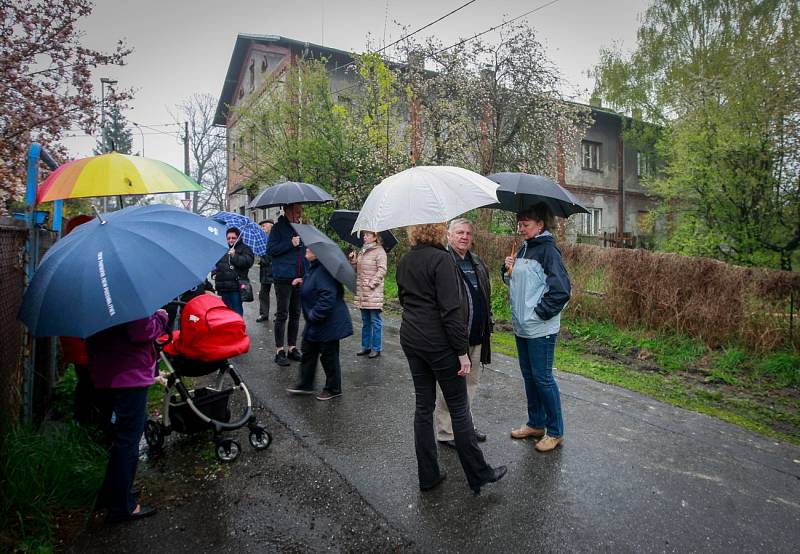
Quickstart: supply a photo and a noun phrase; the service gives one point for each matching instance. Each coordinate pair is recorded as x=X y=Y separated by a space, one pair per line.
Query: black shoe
x=480 y=437
x=374 y=354
x=281 y=359
x=363 y=352
x=497 y=474
x=294 y=354
x=451 y=443
x=144 y=511
x=261 y=318
x=434 y=484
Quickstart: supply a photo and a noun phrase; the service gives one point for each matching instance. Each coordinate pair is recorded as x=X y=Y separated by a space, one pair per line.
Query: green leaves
x=721 y=77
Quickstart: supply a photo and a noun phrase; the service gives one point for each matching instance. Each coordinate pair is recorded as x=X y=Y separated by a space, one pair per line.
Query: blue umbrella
x=252 y=233
x=119 y=269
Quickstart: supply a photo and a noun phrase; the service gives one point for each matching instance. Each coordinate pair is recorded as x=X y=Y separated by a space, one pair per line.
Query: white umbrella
x=424 y=194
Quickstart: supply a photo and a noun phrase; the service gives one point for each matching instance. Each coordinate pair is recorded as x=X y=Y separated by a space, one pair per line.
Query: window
x=591 y=155
x=644 y=164
x=591 y=223
x=252 y=71
x=241 y=151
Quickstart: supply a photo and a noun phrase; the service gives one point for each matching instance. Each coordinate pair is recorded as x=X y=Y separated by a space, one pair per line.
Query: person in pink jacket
x=370 y=266
x=122 y=363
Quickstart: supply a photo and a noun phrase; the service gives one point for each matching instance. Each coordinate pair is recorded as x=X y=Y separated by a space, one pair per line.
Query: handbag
x=246 y=290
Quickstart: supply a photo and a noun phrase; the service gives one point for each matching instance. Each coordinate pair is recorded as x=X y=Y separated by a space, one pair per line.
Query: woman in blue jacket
x=540 y=289
x=327 y=322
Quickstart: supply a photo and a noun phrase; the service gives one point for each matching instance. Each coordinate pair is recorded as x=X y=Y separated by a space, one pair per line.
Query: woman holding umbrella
x=231 y=269
x=540 y=289
x=370 y=266
x=434 y=338
x=327 y=322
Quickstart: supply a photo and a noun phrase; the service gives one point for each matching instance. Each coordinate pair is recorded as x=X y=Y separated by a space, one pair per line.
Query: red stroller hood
x=210 y=331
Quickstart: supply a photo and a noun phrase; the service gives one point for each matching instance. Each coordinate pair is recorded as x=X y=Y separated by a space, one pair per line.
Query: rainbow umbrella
x=113 y=174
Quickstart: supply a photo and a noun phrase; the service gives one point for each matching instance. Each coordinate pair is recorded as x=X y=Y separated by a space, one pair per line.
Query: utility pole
x=187 y=196
x=110 y=83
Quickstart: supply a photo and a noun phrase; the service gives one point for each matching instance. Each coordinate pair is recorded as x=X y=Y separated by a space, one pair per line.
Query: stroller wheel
x=228 y=450
x=154 y=435
x=260 y=438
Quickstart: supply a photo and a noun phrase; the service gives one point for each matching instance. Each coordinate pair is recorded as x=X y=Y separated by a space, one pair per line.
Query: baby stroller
x=209 y=334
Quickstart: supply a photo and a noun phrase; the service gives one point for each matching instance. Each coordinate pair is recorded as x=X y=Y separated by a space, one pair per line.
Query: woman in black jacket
x=231 y=269
x=433 y=335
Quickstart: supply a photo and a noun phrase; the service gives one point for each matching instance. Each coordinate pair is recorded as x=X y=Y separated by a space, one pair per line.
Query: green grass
x=672 y=387
x=42 y=474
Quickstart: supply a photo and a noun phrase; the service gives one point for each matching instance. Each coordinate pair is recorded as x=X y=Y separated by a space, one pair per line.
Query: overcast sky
x=183 y=47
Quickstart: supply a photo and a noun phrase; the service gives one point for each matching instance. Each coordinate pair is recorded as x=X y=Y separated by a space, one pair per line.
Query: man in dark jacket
x=478 y=294
x=265 y=276
x=288 y=264
x=231 y=269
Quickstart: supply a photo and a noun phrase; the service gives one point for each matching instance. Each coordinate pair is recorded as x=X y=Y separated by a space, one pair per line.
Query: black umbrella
x=342 y=222
x=290 y=193
x=328 y=253
x=519 y=191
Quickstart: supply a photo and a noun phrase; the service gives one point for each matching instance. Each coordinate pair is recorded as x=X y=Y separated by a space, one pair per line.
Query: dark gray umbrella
x=328 y=253
x=342 y=222
x=290 y=192
x=518 y=191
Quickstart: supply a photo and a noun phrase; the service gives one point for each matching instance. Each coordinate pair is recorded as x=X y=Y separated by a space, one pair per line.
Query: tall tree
x=721 y=77
x=47 y=82
x=115 y=134
x=495 y=106
x=207 y=156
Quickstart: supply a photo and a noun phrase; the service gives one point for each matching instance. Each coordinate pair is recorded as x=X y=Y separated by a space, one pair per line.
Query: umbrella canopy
x=342 y=222
x=328 y=253
x=120 y=269
x=519 y=191
x=251 y=232
x=113 y=174
x=424 y=194
x=290 y=192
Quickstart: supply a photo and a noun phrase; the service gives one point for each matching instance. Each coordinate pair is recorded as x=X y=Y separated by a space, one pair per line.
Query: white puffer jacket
x=370 y=266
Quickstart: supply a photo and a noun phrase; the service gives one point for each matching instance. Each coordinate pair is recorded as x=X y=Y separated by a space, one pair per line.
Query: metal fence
x=12 y=277
x=15 y=343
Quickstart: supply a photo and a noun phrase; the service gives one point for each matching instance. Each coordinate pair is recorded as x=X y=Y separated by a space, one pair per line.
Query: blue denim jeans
x=233 y=299
x=130 y=410
x=371 y=330
x=544 y=400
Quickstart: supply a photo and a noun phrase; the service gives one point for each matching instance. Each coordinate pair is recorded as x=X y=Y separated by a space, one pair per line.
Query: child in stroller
x=210 y=333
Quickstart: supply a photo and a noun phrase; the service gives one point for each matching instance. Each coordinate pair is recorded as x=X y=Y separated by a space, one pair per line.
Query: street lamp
x=140 y=130
x=103 y=82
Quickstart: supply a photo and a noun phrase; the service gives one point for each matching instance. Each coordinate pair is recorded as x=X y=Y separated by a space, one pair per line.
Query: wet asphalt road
x=633 y=475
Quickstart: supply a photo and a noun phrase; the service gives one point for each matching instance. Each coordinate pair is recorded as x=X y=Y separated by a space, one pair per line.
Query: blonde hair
x=431 y=233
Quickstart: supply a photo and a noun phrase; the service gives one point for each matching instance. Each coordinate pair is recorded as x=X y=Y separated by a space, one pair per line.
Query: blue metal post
x=31 y=261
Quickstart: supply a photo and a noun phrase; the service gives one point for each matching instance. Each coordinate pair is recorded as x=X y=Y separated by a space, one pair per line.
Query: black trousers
x=287 y=306
x=263 y=299
x=426 y=370
x=328 y=354
x=130 y=409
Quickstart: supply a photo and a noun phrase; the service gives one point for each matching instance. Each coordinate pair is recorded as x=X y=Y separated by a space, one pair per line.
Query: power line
x=459 y=43
x=490 y=29
x=401 y=39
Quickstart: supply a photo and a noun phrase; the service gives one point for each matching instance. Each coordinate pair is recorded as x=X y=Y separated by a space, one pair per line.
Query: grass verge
x=757 y=393
x=44 y=474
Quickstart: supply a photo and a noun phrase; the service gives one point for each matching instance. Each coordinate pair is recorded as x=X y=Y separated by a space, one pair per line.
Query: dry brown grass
x=719 y=303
